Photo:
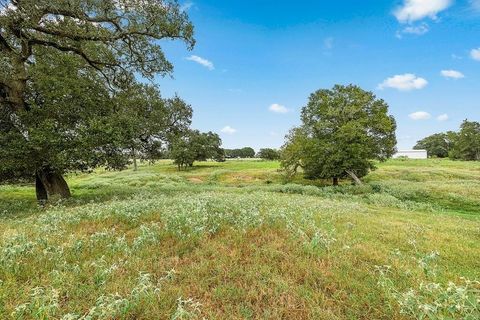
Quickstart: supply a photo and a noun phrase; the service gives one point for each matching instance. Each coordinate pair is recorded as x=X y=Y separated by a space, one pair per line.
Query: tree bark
x=335 y=181
x=40 y=190
x=354 y=177
x=18 y=86
x=134 y=155
x=49 y=183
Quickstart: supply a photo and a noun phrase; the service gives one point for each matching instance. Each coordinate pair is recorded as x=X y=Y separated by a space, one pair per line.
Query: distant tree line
x=242 y=153
x=461 y=145
x=248 y=152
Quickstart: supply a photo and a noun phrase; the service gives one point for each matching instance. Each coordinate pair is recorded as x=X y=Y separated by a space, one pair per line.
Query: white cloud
x=278 y=108
x=404 y=82
x=452 y=74
x=442 y=117
x=475 y=4
x=186 y=6
x=328 y=43
x=228 y=130
x=418 y=30
x=420 y=115
x=414 y=10
x=475 y=54
x=204 y=62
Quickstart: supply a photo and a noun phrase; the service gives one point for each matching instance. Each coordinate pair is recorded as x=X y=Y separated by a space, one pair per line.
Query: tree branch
x=114 y=36
x=354 y=177
x=93 y=63
x=4 y=44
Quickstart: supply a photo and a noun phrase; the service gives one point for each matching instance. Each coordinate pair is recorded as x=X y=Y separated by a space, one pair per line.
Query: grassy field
x=235 y=240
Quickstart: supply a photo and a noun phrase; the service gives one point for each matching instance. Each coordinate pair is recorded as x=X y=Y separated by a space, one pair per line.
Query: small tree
x=195 y=146
x=182 y=153
x=206 y=145
x=247 y=152
x=343 y=131
x=466 y=145
x=268 y=154
x=148 y=122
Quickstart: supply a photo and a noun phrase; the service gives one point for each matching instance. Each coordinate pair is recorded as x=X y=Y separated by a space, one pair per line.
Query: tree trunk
x=354 y=177
x=40 y=190
x=17 y=87
x=335 y=181
x=49 y=183
x=134 y=155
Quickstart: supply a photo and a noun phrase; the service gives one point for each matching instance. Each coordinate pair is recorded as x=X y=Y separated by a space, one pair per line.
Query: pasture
x=235 y=240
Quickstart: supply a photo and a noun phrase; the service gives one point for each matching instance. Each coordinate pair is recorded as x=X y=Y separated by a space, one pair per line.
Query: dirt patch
x=195 y=180
x=243 y=178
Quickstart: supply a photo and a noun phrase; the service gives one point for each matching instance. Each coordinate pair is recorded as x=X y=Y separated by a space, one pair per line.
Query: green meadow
x=236 y=240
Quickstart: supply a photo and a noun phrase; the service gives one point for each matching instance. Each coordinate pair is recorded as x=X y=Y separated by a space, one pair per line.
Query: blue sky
x=256 y=63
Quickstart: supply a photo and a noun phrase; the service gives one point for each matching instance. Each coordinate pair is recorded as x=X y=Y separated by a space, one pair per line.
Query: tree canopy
x=149 y=123
x=268 y=154
x=246 y=152
x=466 y=143
x=343 y=131
x=195 y=146
x=461 y=145
x=74 y=123
x=62 y=128
x=437 y=145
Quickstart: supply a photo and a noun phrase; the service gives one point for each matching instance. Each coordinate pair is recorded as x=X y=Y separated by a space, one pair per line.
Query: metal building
x=411 y=154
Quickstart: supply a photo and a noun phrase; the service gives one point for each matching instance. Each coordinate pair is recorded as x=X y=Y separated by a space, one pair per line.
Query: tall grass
x=157 y=245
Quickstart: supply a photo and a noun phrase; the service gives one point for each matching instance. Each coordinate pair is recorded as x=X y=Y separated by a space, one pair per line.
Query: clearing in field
x=233 y=241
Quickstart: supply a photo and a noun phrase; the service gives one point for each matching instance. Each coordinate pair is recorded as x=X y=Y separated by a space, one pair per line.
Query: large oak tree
x=114 y=38
x=343 y=131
